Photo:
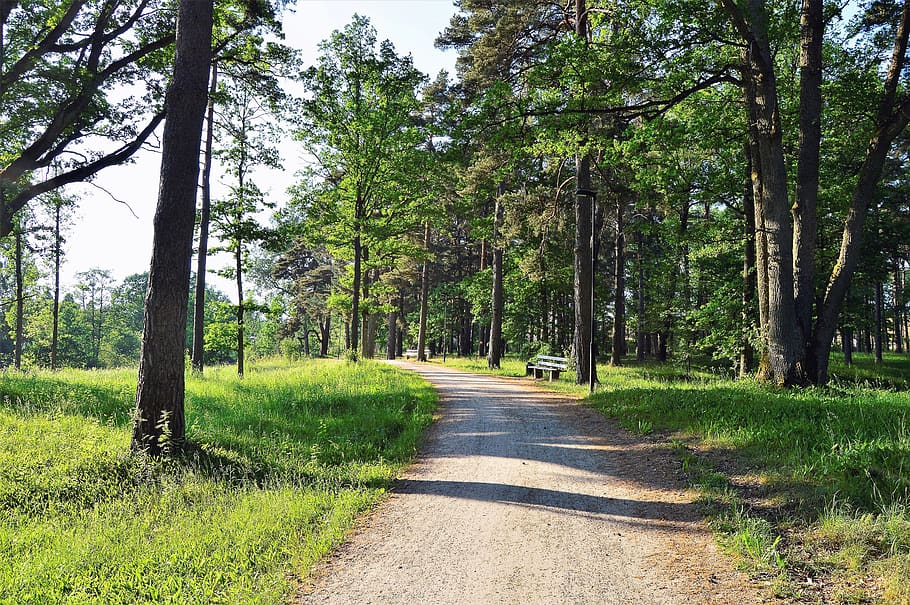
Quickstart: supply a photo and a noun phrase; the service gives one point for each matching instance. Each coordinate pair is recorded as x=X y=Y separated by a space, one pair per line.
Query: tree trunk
x=159 y=418
x=782 y=363
x=641 y=337
x=746 y=356
x=55 y=332
x=890 y=121
x=847 y=337
x=879 y=334
x=619 y=285
x=238 y=269
x=483 y=332
x=325 y=333
x=583 y=251
x=355 y=295
x=495 y=356
x=804 y=211
x=20 y=294
x=198 y=357
x=898 y=315
x=390 y=344
x=424 y=296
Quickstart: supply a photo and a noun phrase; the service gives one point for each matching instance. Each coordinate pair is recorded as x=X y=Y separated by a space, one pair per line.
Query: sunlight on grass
x=279 y=465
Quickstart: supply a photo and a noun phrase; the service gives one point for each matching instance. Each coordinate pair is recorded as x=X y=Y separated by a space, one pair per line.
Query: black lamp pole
x=593 y=195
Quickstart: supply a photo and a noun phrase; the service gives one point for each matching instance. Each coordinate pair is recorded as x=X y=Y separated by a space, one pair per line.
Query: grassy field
x=279 y=465
x=808 y=488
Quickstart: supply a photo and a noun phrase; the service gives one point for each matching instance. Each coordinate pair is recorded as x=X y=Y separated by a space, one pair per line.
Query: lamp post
x=593 y=195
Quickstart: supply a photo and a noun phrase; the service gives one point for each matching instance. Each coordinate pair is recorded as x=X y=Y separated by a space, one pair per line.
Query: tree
x=61 y=59
x=358 y=122
x=160 y=393
x=246 y=128
x=91 y=289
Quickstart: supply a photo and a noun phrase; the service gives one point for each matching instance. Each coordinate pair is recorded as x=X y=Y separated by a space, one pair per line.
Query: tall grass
x=279 y=465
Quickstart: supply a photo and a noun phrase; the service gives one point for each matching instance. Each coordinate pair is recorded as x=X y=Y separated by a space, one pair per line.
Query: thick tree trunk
x=619 y=286
x=785 y=348
x=424 y=297
x=205 y=214
x=495 y=355
x=890 y=121
x=746 y=356
x=160 y=391
x=584 y=278
x=583 y=251
x=483 y=332
x=804 y=211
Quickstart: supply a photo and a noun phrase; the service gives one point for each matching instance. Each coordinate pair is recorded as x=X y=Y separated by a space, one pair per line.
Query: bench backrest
x=560 y=363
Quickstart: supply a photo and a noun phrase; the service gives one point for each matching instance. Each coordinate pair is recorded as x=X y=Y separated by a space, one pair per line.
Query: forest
x=461 y=210
x=697 y=188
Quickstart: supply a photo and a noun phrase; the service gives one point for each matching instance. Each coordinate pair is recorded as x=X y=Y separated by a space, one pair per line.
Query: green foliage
x=278 y=466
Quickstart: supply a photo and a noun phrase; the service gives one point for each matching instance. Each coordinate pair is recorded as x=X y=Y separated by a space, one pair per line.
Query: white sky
x=107 y=235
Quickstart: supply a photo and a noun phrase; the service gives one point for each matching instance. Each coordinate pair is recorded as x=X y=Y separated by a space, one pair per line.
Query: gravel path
x=523 y=496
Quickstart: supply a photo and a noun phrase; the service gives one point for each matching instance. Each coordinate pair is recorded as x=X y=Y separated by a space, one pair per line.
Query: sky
x=113 y=226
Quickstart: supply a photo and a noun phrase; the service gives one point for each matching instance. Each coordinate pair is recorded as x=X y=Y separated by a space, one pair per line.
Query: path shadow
x=551 y=499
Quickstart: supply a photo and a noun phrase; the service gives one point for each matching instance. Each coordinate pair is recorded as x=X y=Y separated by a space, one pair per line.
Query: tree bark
x=390 y=344
x=584 y=277
x=238 y=271
x=747 y=356
x=804 y=211
x=495 y=356
x=159 y=419
x=641 y=338
x=20 y=294
x=619 y=286
x=55 y=331
x=355 y=294
x=198 y=357
x=879 y=334
x=890 y=121
x=325 y=333
x=782 y=362
x=483 y=336
x=898 y=314
x=424 y=296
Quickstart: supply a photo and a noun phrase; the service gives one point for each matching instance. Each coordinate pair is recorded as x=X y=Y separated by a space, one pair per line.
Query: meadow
x=808 y=488
x=276 y=468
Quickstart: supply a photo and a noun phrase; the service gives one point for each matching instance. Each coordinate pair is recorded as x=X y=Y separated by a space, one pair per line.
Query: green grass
x=280 y=464
x=798 y=482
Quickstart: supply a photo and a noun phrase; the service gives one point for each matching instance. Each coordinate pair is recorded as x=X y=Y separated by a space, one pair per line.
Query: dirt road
x=525 y=497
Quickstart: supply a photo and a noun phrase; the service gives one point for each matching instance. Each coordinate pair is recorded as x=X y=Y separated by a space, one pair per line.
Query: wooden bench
x=546 y=363
x=413 y=353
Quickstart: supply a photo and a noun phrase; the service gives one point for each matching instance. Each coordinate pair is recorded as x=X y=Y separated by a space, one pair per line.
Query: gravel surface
x=524 y=496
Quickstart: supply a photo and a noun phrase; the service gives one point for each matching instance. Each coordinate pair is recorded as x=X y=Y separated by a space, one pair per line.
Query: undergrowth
x=276 y=467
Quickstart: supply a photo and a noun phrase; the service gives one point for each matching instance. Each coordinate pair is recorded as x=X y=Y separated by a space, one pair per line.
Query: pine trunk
x=619 y=286
x=495 y=356
x=205 y=213
x=424 y=297
x=160 y=391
